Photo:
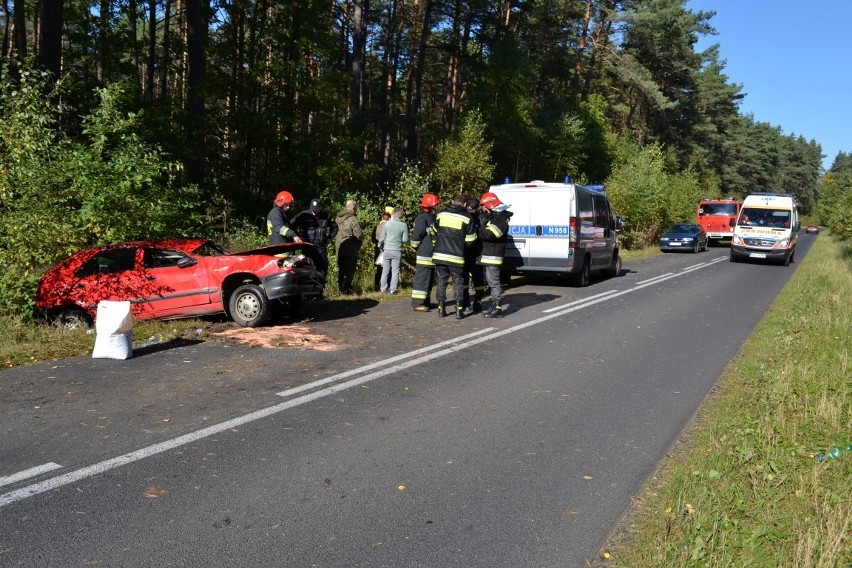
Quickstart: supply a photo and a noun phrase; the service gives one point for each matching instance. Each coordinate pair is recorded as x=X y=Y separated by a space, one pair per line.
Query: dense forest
x=127 y=119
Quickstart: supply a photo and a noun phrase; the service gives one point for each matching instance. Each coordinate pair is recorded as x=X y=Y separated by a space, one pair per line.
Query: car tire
x=789 y=258
x=73 y=318
x=733 y=258
x=249 y=306
x=614 y=267
x=696 y=248
x=582 y=279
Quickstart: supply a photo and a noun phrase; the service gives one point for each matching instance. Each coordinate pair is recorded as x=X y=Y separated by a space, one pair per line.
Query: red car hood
x=270 y=250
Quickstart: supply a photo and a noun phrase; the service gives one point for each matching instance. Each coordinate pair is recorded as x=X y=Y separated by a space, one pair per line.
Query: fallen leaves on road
x=154 y=492
x=297 y=336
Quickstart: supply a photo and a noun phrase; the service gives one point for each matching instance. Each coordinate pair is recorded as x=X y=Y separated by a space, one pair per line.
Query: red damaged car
x=181 y=278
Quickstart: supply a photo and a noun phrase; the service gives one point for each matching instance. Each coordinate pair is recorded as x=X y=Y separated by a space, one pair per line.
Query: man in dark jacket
x=454 y=231
x=278 y=224
x=316 y=226
x=421 y=242
x=493 y=230
x=474 y=275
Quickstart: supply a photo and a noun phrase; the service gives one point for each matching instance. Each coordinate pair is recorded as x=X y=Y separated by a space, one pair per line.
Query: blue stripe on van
x=550 y=231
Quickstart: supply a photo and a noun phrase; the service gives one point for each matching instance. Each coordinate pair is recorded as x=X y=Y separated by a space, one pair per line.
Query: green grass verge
x=748 y=488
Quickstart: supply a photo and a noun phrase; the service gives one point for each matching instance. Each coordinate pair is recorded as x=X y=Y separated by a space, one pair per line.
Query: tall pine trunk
x=20 y=34
x=151 y=63
x=196 y=26
x=50 y=39
x=412 y=118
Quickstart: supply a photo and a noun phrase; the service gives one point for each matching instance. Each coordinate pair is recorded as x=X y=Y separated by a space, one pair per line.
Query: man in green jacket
x=347 y=243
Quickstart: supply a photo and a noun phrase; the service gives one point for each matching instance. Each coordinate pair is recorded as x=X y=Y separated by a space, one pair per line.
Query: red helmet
x=429 y=200
x=489 y=201
x=284 y=198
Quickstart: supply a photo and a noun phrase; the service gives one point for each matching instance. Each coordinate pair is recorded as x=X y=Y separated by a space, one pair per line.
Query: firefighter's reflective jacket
x=454 y=231
x=421 y=239
x=493 y=230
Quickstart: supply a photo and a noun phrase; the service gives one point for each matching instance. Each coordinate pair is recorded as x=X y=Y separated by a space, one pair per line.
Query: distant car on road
x=684 y=236
x=180 y=278
x=812 y=229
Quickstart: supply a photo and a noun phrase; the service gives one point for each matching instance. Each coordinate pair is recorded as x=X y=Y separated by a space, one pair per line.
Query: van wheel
x=614 y=267
x=582 y=279
x=789 y=258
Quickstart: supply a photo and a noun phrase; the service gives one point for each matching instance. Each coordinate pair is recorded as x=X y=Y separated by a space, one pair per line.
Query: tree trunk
x=151 y=64
x=7 y=25
x=103 y=30
x=166 y=60
x=359 y=36
x=412 y=119
x=581 y=43
x=20 y=34
x=50 y=41
x=453 y=63
x=390 y=61
x=134 y=45
x=196 y=25
x=599 y=45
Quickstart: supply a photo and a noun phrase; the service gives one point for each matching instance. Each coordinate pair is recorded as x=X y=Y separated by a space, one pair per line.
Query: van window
x=601 y=212
x=585 y=208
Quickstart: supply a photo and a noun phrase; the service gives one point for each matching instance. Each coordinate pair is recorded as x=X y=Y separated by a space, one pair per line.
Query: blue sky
x=792 y=59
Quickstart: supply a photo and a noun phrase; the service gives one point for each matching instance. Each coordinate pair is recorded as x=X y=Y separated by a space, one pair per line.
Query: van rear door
x=548 y=248
x=520 y=230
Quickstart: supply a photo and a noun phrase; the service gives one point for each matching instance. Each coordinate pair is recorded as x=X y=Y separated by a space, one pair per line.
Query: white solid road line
x=378 y=364
x=584 y=300
x=655 y=278
x=458 y=344
x=27 y=473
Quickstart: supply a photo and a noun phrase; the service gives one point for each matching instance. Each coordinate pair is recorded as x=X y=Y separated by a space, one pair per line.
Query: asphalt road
x=420 y=442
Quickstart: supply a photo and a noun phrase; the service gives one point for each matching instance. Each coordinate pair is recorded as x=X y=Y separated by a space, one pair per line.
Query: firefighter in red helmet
x=493 y=231
x=278 y=223
x=421 y=242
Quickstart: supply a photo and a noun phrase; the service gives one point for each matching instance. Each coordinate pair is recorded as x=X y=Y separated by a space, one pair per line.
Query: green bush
x=650 y=198
x=59 y=195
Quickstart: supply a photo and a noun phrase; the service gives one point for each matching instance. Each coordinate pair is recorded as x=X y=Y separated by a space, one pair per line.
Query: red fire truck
x=715 y=215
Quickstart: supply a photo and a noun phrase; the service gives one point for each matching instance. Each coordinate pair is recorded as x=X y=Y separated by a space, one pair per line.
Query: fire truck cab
x=715 y=216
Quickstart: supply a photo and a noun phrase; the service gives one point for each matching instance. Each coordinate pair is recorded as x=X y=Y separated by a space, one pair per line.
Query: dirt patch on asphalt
x=284 y=336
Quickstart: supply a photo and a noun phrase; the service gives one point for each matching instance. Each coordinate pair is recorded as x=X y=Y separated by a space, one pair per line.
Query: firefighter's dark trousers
x=443 y=272
x=421 y=287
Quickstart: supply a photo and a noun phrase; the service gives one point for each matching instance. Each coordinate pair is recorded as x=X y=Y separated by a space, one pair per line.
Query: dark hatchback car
x=684 y=236
x=180 y=278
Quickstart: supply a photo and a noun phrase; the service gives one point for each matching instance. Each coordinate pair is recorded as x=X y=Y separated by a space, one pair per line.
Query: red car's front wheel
x=249 y=306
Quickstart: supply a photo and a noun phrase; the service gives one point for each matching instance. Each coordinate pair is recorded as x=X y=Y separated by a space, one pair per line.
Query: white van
x=560 y=228
x=766 y=228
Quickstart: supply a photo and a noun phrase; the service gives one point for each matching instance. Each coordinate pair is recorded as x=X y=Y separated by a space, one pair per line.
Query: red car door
x=176 y=284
